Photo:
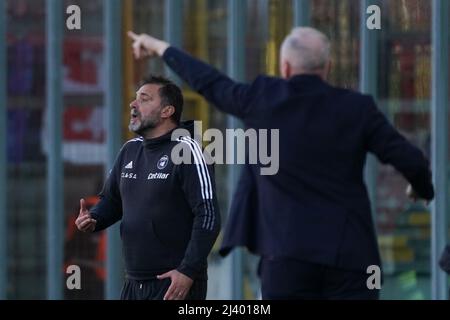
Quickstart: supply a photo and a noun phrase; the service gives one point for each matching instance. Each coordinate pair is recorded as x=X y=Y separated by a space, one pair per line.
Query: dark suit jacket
x=316 y=208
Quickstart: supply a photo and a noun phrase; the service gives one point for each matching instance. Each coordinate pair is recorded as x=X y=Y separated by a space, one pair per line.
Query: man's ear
x=327 y=70
x=285 y=69
x=167 y=111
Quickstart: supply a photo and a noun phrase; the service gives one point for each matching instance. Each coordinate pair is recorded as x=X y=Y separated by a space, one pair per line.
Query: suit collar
x=307 y=82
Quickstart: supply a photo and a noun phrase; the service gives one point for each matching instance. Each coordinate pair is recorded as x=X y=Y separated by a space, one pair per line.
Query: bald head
x=305 y=51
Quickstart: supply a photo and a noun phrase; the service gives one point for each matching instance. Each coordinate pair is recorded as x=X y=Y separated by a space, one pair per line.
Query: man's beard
x=144 y=126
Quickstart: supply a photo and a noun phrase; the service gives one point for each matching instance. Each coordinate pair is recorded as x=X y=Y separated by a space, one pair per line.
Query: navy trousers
x=286 y=279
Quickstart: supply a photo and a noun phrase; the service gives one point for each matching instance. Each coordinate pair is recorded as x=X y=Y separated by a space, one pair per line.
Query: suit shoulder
x=353 y=103
x=346 y=92
x=265 y=80
x=354 y=96
x=264 y=86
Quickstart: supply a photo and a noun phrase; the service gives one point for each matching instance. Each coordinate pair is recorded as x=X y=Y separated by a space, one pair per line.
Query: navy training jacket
x=169 y=213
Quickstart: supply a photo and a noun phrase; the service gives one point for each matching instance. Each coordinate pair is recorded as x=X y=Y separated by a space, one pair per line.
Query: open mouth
x=133 y=117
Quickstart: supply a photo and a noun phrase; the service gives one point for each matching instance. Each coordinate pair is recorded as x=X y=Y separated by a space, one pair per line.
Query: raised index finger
x=132 y=35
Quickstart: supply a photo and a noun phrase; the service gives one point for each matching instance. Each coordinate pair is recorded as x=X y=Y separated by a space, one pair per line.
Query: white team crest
x=162 y=163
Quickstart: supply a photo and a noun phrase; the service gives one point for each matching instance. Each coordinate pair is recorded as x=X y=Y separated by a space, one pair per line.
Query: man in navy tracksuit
x=169 y=213
x=311 y=221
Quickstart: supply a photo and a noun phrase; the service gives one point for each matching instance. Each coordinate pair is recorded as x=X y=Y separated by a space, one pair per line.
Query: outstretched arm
x=227 y=95
x=391 y=147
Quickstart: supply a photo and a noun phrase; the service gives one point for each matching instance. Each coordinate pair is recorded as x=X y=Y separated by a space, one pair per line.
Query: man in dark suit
x=311 y=221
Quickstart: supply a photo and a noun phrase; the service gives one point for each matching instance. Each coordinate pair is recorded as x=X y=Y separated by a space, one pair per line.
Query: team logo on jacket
x=162 y=163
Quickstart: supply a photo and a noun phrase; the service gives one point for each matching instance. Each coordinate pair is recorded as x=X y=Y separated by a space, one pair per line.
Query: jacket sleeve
x=197 y=182
x=109 y=209
x=391 y=147
x=227 y=95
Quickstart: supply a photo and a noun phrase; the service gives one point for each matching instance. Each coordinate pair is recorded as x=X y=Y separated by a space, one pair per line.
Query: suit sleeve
x=109 y=209
x=391 y=147
x=197 y=182
x=227 y=95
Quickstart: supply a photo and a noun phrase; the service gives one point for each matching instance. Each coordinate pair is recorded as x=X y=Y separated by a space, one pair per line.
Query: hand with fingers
x=84 y=221
x=145 y=45
x=179 y=286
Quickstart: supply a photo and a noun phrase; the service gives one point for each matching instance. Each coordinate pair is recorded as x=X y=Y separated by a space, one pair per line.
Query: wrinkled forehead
x=148 y=89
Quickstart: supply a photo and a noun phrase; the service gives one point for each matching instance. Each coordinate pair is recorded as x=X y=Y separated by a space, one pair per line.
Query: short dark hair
x=169 y=93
